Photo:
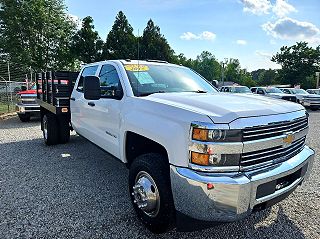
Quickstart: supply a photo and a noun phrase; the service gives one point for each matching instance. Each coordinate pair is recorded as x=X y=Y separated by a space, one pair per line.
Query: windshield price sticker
x=136 y=67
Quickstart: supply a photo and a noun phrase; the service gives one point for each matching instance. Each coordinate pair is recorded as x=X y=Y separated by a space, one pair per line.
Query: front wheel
x=150 y=192
x=24 y=117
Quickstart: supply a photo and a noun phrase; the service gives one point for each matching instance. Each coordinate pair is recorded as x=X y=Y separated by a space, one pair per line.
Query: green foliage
x=36 y=33
x=86 y=44
x=207 y=66
x=121 y=43
x=298 y=63
x=154 y=45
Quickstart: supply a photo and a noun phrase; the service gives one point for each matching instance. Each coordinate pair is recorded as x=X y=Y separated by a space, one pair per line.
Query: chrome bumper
x=22 y=109
x=234 y=195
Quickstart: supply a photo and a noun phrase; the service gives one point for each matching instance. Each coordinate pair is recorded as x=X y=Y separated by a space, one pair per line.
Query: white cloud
x=206 y=35
x=263 y=54
x=291 y=29
x=257 y=7
x=241 y=42
x=283 y=8
x=188 y=36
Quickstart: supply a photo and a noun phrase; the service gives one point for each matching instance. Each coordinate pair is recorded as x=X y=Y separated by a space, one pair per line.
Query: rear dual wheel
x=55 y=130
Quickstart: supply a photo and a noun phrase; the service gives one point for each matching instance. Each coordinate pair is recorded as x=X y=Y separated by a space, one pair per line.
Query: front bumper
x=24 y=108
x=236 y=195
x=307 y=103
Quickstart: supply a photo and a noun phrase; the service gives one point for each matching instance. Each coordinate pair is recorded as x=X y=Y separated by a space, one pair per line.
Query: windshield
x=273 y=90
x=241 y=89
x=147 y=79
x=299 y=91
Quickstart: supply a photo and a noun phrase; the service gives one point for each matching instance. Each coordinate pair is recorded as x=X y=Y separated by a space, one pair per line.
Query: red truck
x=27 y=105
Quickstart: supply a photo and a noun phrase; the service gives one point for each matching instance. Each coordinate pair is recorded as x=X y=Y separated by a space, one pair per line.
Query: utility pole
x=317 y=85
x=222 y=70
x=9 y=77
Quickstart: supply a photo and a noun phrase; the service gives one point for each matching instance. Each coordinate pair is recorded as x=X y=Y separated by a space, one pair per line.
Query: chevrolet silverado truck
x=27 y=105
x=273 y=92
x=194 y=154
x=310 y=101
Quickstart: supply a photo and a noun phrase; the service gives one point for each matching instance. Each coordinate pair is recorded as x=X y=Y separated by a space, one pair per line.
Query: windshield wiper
x=150 y=93
x=197 y=91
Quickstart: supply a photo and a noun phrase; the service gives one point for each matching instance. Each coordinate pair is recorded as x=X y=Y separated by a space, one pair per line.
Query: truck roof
x=128 y=61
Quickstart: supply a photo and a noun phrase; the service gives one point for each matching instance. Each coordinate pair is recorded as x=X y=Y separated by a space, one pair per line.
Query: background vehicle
x=235 y=89
x=273 y=92
x=193 y=153
x=314 y=91
x=27 y=105
x=303 y=97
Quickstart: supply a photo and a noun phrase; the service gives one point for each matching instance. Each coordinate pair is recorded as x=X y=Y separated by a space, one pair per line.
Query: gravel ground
x=78 y=191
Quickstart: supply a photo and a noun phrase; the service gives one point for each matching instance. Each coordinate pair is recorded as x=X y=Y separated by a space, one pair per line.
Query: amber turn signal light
x=200 y=134
x=200 y=159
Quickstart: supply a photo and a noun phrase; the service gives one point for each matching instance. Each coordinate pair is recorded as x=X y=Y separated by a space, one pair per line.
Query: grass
x=4 y=108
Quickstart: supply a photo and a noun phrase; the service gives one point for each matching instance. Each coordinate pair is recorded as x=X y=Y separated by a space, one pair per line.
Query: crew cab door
x=77 y=102
x=103 y=116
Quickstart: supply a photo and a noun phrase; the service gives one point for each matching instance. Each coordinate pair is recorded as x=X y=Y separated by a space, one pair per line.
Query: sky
x=249 y=30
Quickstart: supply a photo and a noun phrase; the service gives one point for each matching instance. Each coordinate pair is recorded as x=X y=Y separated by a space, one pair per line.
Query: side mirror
x=118 y=94
x=91 y=88
x=215 y=83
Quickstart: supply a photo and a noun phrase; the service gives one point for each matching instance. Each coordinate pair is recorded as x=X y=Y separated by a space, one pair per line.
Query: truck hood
x=278 y=94
x=27 y=92
x=223 y=107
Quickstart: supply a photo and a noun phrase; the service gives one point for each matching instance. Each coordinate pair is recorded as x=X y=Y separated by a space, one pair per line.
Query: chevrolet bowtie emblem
x=288 y=139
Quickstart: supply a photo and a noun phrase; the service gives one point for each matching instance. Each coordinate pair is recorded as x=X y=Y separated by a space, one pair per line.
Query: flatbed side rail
x=54 y=90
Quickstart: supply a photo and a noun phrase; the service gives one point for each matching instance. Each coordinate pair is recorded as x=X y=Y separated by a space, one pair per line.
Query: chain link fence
x=13 y=78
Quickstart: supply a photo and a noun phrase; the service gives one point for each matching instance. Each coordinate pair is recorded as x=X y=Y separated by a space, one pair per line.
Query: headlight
x=216 y=135
x=19 y=98
x=215 y=160
x=215 y=147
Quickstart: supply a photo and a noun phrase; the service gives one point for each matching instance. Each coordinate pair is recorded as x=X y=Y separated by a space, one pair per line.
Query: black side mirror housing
x=215 y=83
x=91 y=88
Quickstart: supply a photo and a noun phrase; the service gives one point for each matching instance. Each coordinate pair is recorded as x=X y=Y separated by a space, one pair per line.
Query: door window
x=110 y=84
x=260 y=91
x=88 y=71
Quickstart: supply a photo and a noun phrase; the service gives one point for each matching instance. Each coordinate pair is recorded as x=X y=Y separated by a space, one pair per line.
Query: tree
x=36 y=33
x=120 y=43
x=154 y=45
x=86 y=44
x=232 y=71
x=207 y=66
x=298 y=63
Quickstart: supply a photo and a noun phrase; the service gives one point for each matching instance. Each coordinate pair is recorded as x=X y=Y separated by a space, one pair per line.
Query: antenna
x=138 y=61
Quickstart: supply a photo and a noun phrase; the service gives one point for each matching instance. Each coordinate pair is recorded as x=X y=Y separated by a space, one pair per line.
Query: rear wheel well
x=137 y=145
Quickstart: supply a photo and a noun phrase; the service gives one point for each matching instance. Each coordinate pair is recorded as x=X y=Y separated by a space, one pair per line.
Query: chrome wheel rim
x=45 y=128
x=146 y=195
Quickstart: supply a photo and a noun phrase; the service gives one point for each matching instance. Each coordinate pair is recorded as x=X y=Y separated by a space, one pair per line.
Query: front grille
x=312 y=99
x=274 y=129
x=29 y=102
x=265 y=157
x=290 y=98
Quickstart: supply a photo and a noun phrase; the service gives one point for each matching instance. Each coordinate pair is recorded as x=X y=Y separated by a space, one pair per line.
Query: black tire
x=156 y=166
x=50 y=129
x=24 y=117
x=64 y=130
x=314 y=108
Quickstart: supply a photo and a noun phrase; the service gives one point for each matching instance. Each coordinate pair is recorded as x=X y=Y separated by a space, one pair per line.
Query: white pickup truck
x=193 y=153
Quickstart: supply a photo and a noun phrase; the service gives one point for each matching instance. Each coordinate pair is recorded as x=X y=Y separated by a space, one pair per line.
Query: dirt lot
x=78 y=191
